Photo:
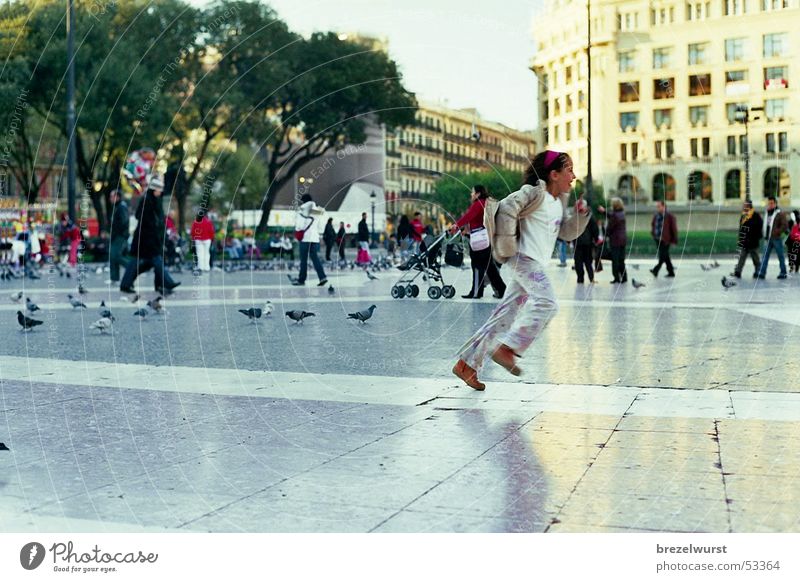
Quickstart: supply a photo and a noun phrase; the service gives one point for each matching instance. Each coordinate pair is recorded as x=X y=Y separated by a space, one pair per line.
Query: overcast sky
x=471 y=53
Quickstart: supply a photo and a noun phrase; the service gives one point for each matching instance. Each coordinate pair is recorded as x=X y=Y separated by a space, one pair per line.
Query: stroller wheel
x=448 y=291
x=398 y=292
x=414 y=291
x=434 y=292
x=409 y=291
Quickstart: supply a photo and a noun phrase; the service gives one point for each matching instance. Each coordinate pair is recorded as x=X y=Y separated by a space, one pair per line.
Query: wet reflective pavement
x=673 y=407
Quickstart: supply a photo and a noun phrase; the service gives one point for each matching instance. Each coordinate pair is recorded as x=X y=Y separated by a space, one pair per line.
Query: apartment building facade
x=681 y=92
x=443 y=141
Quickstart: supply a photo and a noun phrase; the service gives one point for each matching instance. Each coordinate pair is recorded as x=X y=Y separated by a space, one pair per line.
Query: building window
x=776 y=77
x=698 y=10
x=733 y=185
x=775 y=109
x=664 y=88
x=629 y=92
x=568 y=131
x=734 y=7
x=556 y=107
x=623 y=152
x=627 y=61
x=731 y=110
x=568 y=75
x=662 y=118
x=670 y=148
x=634 y=151
x=770 y=5
x=735 y=76
x=777 y=142
x=662 y=58
x=699 y=85
x=743 y=144
x=628 y=21
x=698 y=115
x=698 y=53
x=581 y=100
x=568 y=103
x=783 y=142
x=629 y=119
x=731 y=145
x=580 y=127
x=735 y=49
x=693 y=147
x=776 y=44
x=770 y=143
x=706 y=146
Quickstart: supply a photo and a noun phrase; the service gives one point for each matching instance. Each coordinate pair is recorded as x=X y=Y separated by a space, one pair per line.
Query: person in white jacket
x=306 y=229
x=539 y=215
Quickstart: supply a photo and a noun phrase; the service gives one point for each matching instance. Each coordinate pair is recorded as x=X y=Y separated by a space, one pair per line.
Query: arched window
x=699 y=186
x=628 y=188
x=776 y=182
x=663 y=187
x=733 y=185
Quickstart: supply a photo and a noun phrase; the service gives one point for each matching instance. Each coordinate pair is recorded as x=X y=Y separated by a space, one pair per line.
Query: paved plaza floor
x=672 y=407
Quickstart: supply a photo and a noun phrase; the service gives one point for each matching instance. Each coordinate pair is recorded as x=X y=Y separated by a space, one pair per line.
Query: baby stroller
x=426 y=264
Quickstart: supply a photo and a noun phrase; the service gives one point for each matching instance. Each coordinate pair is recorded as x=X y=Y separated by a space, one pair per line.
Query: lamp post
x=372 y=200
x=743 y=115
x=588 y=189
x=71 y=111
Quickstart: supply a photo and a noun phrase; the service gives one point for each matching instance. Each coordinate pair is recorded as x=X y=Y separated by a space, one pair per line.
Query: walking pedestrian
x=774 y=226
x=329 y=237
x=793 y=244
x=480 y=248
x=526 y=225
x=203 y=235
x=307 y=233
x=341 y=235
x=584 y=247
x=120 y=232
x=404 y=236
x=750 y=225
x=417 y=230
x=617 y=236
x=561 y=246
x=664 y=229
x=363 y=257
x=147 y=245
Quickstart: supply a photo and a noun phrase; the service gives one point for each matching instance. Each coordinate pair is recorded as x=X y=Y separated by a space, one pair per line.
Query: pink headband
x=549 y=157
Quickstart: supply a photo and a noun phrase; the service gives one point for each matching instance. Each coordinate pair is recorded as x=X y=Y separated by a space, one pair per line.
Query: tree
x=243 y=178
x=452 y=191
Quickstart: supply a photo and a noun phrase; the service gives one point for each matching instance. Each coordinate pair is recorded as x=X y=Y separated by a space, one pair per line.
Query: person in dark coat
x=750 y=224
x=584 y=247
x=664 y=229
x=341 y=235
x=147 y=246
x=119 y=233
x=617 y=235
x=329 y=238
x=363 y=240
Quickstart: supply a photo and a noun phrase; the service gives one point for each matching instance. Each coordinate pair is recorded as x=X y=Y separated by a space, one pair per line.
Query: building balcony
x=423 y=172
x=393 y=154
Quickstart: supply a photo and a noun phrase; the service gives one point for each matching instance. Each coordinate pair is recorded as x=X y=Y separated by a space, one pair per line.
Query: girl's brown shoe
x=468 y=375
x=504 y=356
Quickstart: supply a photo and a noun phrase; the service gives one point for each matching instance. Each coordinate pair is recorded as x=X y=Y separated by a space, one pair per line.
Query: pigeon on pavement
x=103 y=324
x=268 y=308
x=727 y=283
x=76 y=303
x=252 y=313
x=81 y=289
x=140 y=313
x=3 y=447
x=331 y=290
x=26 y=322
x=299 y=315
x=370 y=276
x=705 y=267
x=715 y=264
x=636 y=284
x=106 y=313
x=16 y=297
x=155 y=304
x=362 y=316
x=30 y=305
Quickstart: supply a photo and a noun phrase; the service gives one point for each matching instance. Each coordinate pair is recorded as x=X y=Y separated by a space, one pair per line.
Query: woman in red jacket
x=202 y=235
x=480 y=250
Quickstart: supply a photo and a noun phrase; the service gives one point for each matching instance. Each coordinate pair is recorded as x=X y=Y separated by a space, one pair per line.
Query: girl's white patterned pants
x=527 y=307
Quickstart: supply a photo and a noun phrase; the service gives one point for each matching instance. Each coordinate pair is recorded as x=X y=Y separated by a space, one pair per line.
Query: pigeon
x=362 y=316
x=16 y=297
x=26 y=322
x=293 y=280
x=76 y=303
x=636 y=267
x=331 y=290
x=140 y=313
x=134 y=299
x=370 y=276
x=30 y=305
x=727 y=284
x=299 y=316
x=155 y=304
x=103 y=324
x=102 y=303
x=715 y=264
x=705 y=267
x=3 y=447
x=252 y=314
x=81 y=289
x=636 y=284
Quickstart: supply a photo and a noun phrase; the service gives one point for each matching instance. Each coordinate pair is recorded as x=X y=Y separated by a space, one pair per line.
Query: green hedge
x=691 y=243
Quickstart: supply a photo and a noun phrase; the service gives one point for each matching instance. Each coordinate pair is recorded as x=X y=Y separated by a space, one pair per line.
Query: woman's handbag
x=299 y=234
x=454 y=255
x=479 y=239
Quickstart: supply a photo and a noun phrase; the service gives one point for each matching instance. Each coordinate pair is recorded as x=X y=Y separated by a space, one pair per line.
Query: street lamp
x=372 y=200
x=743 y=115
